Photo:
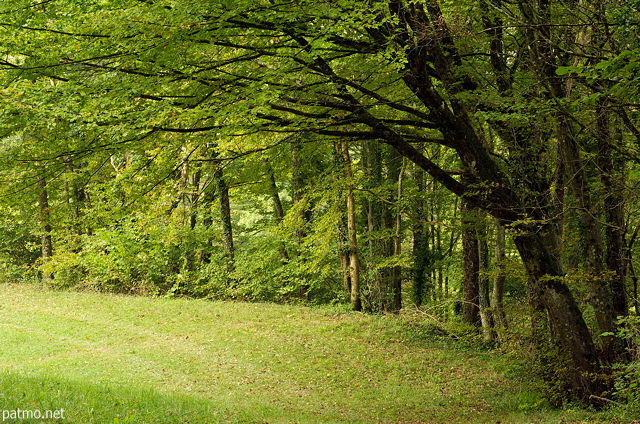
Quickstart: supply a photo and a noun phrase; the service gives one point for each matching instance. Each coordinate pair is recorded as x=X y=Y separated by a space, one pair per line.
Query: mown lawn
x=117 y=359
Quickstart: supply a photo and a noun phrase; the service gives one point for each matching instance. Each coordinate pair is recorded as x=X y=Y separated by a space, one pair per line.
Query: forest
x=477 y=160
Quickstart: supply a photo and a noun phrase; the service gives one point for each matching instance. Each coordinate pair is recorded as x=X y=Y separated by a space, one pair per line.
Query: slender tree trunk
x=343 y=232
x=614 y=212
x=297 y=186
x=499 y=280
x=76 y=199
x=632 y=272
x=384 y=223
x=208 y=197
x=189 y=197
x=393 y=222
x=421 y=254
x=45 y=219
x=298 y=182
x=354 y=260
x=75 y=196
x=471 y=263
x=193 y=196
x=184 y=184
x=484 y=302
x=375 y=215
x=278 y=210
x=225 y=214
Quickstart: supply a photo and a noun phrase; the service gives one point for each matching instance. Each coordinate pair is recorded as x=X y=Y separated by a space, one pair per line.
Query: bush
x=627 y=375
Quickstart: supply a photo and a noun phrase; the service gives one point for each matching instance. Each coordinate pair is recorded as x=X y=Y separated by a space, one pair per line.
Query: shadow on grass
x=25 y=397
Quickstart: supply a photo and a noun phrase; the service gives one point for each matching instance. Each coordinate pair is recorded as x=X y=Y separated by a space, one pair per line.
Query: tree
x=354 y=256
x=395 y=72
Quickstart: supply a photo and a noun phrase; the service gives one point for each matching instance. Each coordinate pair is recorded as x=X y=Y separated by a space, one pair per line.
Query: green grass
x=117 y=359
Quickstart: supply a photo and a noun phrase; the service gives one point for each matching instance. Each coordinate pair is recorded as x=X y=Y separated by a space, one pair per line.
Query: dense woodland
x=477 y=159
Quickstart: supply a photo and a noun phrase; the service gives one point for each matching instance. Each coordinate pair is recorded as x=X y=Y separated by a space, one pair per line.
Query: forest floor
x=123 y=359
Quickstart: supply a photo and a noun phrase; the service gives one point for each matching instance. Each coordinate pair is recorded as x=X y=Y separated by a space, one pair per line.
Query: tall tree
x=354 y=256
x=397 y=72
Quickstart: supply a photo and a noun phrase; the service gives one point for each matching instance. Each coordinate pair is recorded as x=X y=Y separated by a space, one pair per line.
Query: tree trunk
x=421 y=253
x=546 y=41
x=484 y=302
x=599 y=282
x=613 y=185
x=193 y=197
x=45 y=219
x=568 y=329
x=75 y=196
x=471 y=263
x=354 y=260
x=499 y=280
x=393 y=222
x=383 y=167
x=297 y=188
x=375 y=210
x=278 y=210
x=343 y=233
x=225 y=215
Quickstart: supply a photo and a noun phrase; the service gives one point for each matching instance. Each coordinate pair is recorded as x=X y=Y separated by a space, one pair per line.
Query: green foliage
x=134 y=119
x=627 y=374
x=19 y=246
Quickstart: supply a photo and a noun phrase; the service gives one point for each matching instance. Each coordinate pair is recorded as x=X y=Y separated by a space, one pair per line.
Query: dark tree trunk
x=499 y=280
x=471 y=263
x=297 y=186
x=421 y=252
x=75 y=197
x=484 y=299
x=278 y=210
x=599 y=282
x=613 y=185
x=375 y=213
x=567 y=326
x=225 y=215
x=392 y=221
x=193 y=197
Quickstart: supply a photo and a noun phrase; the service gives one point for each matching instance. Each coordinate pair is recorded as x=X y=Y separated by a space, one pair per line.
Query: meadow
x=123 y=359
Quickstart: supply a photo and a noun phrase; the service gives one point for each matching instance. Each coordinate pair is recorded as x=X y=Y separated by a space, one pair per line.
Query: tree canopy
x=316 y=150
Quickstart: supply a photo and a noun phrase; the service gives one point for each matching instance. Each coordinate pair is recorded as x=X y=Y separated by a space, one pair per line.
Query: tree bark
x=471 y=264
x=354 y=259
x=225 y=215
x=343 y=233
x=484 y=299
x=499 y=280
x=613 y=202
x=420 y=248
x=599 y=282
x=393 y=222
x=383 y=167
x=568 y=329
x=277 y=209
x=45 y=224
x=297 y=186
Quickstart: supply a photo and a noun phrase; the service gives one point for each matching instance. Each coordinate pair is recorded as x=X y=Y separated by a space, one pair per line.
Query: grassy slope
x=108 y=359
